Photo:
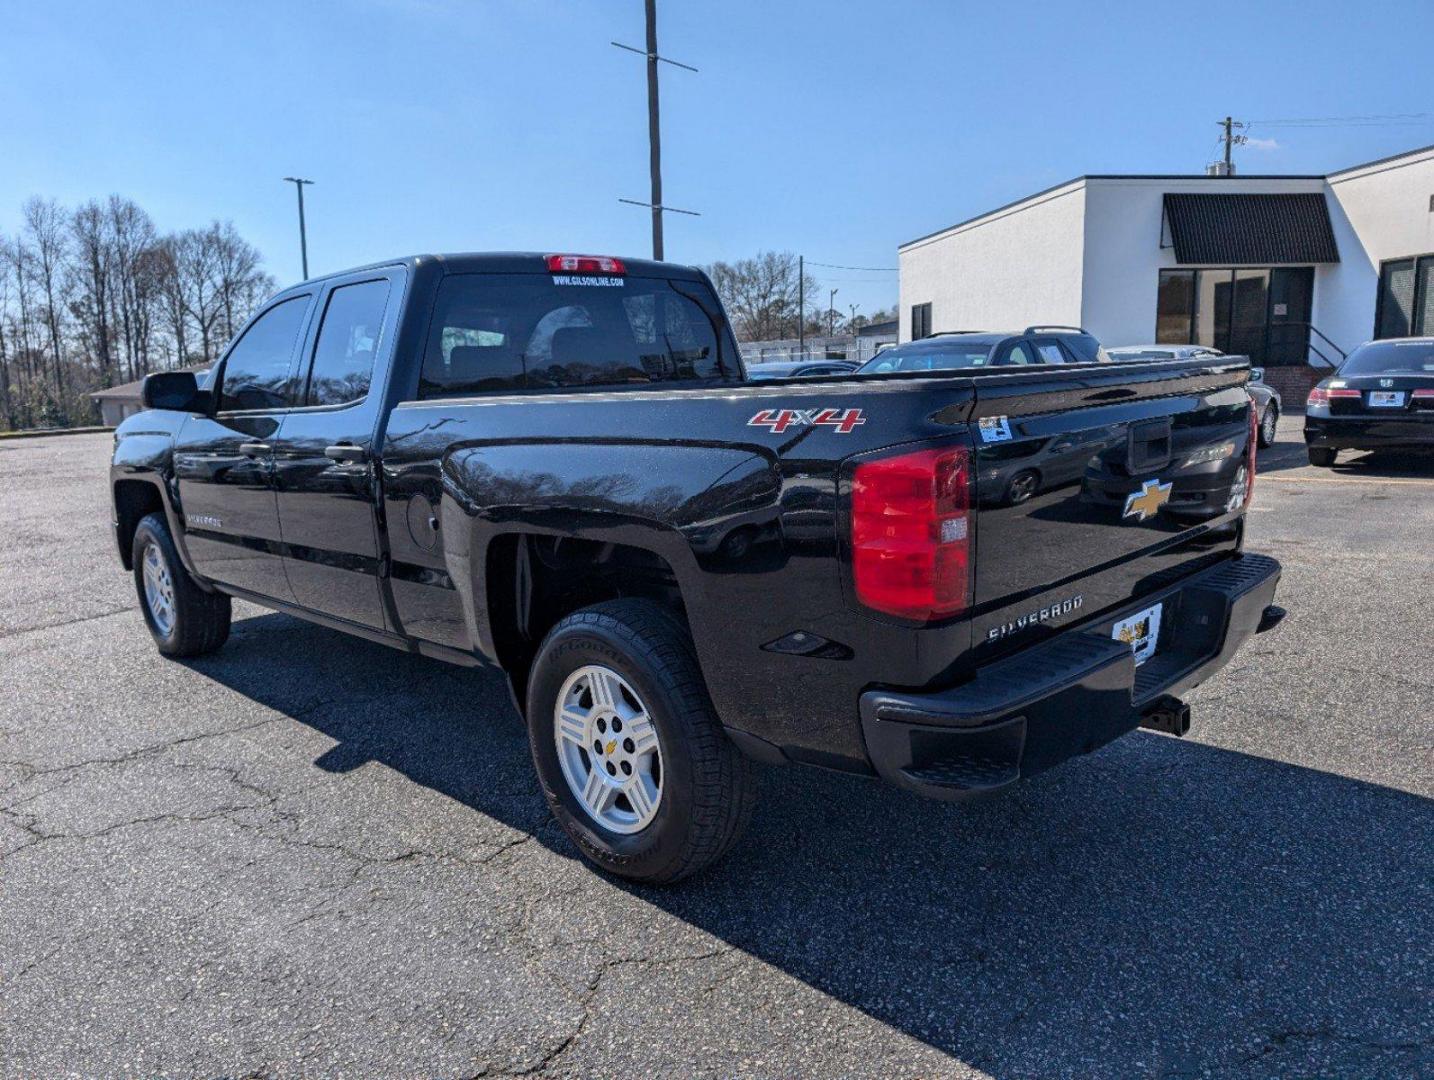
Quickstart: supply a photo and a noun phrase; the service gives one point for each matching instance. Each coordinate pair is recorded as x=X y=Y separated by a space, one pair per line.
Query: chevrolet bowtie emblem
x=1146 y=502
x=611 y=746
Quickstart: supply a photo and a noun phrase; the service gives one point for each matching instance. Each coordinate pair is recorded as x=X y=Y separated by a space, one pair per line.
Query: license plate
x=1386 y=399
x=1141 y=632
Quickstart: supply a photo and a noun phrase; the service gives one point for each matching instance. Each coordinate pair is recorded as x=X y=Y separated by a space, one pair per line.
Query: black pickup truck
x=553 y=466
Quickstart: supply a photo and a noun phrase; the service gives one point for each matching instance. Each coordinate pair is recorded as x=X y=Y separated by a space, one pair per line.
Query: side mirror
x=175 y=390
x=1257 y=374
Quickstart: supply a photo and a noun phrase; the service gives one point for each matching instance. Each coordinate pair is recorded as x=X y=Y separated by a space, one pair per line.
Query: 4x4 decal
x=781 y=419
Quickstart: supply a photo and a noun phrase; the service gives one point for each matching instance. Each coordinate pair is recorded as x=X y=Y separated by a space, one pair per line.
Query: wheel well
x=134 y=499
x=533 y=581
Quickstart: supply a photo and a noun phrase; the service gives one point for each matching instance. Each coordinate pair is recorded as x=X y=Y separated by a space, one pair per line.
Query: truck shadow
x=1161 y=908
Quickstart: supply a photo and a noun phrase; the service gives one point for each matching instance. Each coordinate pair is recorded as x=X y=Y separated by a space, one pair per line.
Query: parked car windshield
x=926 y=356
x=1379 y=357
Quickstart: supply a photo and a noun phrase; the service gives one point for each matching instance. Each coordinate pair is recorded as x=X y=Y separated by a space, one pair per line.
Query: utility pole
x=831 y=312
x=802 y=305
x=1231 y=141
x=299 y=183
x=654 y=130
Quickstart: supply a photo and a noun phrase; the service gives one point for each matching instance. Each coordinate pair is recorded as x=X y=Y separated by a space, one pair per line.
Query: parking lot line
x=1266 y=478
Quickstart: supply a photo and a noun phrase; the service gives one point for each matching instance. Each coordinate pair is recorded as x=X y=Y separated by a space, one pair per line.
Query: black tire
x=1022 y=487
x=708 y=787
x=1322 y=456
x=199 y=622
x=1268 y=423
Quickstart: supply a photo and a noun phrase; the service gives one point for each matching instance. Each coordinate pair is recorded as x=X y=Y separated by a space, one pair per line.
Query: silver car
x=1267 y=398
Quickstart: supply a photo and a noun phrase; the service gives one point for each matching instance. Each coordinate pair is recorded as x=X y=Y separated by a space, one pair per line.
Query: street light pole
x=831 y=311
x=299 y=183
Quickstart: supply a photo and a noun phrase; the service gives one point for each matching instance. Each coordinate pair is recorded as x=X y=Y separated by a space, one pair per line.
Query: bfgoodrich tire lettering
x=707 y=786
x=183 y=619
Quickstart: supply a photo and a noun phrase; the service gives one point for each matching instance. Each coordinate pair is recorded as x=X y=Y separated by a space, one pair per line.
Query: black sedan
x=1381 y=398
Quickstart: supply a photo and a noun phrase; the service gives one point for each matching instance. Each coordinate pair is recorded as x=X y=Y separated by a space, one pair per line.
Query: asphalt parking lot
x=311 y=855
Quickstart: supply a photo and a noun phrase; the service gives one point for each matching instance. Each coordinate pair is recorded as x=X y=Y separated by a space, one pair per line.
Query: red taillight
x=1319 y=396
x=1421 y=395
x=910 y=527
x=585 y=264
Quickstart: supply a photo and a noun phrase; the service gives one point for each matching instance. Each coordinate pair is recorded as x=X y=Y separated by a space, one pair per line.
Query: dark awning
x=1262 y=230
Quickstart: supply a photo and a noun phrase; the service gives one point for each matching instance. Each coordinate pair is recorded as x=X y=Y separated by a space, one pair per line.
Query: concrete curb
x=43 y=432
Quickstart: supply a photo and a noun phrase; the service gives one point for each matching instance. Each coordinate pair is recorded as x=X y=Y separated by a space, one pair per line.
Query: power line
x=1352 y=120
x=834 y=266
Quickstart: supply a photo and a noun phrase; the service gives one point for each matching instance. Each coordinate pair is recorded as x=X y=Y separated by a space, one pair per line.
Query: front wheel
x=632 y=758
x=1322 y=456
x=183 y=619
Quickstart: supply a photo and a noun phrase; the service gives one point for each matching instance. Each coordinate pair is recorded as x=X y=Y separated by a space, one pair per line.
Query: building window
x=1405 y=306
x=1175 y=307
x=920 y=321
x=1256 y=312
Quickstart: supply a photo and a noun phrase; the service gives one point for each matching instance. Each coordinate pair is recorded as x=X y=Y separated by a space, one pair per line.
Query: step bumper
x=1068 y=695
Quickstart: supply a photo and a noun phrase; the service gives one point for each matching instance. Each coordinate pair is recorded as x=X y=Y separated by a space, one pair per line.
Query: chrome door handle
x=253 y=449
x=345 y=452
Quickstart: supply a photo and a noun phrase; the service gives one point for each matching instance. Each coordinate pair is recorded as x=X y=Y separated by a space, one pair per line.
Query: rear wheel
x=1269 y=424
x=183 y=619
x=632 y=758
x=1022 y=486
x=1322 y=456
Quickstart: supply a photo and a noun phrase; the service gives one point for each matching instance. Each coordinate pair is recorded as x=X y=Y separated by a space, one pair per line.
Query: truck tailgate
x=1098 y=486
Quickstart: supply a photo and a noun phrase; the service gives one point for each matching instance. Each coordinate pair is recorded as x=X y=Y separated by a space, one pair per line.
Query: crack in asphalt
x=20 y=631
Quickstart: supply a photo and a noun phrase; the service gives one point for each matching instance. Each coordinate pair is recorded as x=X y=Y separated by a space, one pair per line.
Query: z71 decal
x=779 y=420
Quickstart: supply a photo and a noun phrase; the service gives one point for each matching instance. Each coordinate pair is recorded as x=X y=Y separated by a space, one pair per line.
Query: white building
x=1292 y=270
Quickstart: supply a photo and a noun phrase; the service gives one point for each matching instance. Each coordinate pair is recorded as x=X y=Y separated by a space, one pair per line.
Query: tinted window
x=348 y=340
x=1390 y=356
x=1085 y=348
x=256 y=373
x=1019 y=354
x=510 y=331
x=928 y=356
x=1050 y=353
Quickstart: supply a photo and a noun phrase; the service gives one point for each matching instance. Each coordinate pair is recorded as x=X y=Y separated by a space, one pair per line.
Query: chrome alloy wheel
x=1238 y=490
x=608 y=749
x=158 y=590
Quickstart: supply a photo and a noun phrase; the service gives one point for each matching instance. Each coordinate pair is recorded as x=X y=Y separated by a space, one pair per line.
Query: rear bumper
x=1371 y=432
x=1068 y=695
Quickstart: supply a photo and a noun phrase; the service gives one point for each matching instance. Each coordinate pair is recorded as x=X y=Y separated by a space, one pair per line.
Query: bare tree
x=761 y=294
x=7 y=397
x=240 y=282
x=136 y=291
x=45 y=229
x=93 y=270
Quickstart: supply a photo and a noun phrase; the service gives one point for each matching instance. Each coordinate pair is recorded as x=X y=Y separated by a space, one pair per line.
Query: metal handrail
x=1310 y=346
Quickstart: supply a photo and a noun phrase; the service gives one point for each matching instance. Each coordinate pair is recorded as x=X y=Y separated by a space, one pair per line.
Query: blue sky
x=833 y=129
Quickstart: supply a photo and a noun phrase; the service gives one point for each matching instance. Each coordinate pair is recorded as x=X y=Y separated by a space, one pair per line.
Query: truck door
x=223 y=463
x=324 y=472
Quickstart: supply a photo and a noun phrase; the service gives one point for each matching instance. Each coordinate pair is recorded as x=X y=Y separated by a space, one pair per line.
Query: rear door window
x=495 y=332
x=1019 y=354
x=348 y=341
x=1085 y=348
x=1049 y=352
